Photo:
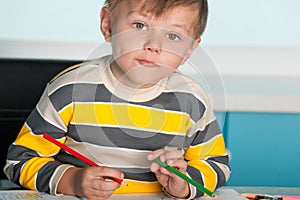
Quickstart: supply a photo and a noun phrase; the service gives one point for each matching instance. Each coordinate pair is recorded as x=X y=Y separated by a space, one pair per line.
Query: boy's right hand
x=89 y=182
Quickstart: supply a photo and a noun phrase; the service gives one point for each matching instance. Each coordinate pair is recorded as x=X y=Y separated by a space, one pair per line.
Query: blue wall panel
x=265 y=149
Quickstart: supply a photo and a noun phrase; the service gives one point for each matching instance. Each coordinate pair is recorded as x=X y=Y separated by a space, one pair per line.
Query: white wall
x=254 y=23
x=253 y=44
x=231 y=22
x=242 y=37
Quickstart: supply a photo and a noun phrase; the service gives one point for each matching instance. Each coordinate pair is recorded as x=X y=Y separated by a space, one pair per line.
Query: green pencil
x=181 y=175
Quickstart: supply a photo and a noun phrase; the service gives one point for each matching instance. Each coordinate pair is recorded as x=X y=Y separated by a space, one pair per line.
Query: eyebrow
x=181 y=26
x=136 y=12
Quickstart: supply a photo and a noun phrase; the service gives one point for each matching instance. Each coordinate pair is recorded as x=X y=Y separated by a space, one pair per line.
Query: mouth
x=147 y=63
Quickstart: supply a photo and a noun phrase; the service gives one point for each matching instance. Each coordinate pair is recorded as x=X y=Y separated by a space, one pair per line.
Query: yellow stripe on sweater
x=131 y=116
x=66 y=114
x=209 y=175
x=139 y=187
x=30 y=169
x=214 y=147
x=36 y=142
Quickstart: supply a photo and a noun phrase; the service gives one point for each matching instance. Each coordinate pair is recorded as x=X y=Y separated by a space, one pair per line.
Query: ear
x=105 y=23
x=190 y=50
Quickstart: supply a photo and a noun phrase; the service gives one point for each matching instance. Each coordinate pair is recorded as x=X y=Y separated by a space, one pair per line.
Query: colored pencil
x=253 y=196
x=289 y=197
x=79 y=156
x=186 y=178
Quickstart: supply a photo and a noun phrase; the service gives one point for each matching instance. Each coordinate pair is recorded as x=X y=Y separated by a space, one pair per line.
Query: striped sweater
x=87 y=109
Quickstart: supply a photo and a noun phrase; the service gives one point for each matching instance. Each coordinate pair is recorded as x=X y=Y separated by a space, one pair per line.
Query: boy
x=124 y=110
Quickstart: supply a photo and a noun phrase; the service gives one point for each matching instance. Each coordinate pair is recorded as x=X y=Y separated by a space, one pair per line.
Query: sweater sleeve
x=206 y=156
x=30 y=159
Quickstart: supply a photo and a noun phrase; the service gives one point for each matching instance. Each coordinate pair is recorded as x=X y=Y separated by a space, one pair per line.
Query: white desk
x=8 y=189
x=225 y=192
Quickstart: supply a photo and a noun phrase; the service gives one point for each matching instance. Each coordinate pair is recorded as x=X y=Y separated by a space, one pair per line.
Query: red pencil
x=79 y=156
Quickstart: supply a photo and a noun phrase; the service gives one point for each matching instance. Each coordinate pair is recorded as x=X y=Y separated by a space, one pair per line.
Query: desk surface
x=266 y=190
x=7 y=185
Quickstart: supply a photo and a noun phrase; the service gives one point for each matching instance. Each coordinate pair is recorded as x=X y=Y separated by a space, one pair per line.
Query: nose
x=153 y=43
x=153 y=49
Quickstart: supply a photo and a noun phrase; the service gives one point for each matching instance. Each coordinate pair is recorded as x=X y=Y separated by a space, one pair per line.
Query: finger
x=154 y=167
x=158 y=170
x=104 y=185
x=165 y=155
x=155 y=154
x=179 y=162
x=172 y=155
x=107 y=172
x=98 y=195
x=163 y=179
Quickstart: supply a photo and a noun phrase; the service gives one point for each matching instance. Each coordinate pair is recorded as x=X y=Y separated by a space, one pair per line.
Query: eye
x=140 y=26
x=173 y=37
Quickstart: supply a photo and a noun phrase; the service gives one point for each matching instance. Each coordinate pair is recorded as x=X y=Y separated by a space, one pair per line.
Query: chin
x=142 y=83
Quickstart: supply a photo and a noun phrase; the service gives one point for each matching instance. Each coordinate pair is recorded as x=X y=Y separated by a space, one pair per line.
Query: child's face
x=147 y=49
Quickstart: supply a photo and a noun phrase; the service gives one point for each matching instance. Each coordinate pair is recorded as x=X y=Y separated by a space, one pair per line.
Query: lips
x=146 y=62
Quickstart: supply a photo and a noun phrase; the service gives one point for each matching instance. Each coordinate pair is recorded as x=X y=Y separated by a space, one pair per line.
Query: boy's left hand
x=174 y=185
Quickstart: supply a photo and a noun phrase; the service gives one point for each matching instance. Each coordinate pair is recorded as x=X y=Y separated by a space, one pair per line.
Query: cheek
x=171 y=60
x=125 y=62
x=126 y=42
x=178 y=48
